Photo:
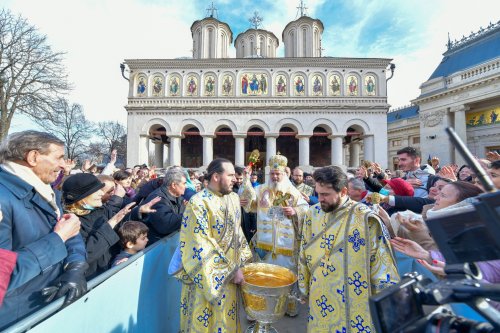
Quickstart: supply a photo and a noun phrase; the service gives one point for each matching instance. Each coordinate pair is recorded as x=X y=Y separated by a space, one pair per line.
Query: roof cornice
x=141 y=64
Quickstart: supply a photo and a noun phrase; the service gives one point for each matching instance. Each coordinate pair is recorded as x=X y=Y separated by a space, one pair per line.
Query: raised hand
x=448 y=173
x=376 y=168
x=410 y=248
x=146 y=208
x=437 y=267
x=69 y=165
x=120 y=215
x=492 y=156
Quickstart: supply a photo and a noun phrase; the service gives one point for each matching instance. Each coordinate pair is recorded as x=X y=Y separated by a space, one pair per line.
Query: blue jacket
x=27 y=229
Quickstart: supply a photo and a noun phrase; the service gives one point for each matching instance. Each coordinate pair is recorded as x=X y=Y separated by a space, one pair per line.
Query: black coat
x=415 y=204
x=101 y=241
x=168 y=215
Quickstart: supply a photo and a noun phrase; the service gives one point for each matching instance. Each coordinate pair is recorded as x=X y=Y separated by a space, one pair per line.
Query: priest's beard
x=328 y=208
x=277 y=186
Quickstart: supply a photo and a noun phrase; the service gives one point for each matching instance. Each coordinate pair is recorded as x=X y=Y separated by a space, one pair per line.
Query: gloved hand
x=71 y=283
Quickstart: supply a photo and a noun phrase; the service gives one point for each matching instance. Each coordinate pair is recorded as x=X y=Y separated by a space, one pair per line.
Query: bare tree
x=114 y=136
x=32 y=76
x=68 y=122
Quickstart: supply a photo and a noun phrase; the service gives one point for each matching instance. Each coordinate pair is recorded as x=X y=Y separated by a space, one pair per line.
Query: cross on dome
x=256 y=20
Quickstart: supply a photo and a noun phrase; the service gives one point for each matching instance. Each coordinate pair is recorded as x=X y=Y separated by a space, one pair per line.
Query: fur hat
x=80 y=186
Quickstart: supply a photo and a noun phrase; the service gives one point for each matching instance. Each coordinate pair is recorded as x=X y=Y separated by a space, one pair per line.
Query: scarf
x=460 y=207
x=26 y=174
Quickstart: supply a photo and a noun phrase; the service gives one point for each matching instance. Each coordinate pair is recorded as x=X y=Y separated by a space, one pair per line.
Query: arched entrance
x=191 y=148
x=224 y=144
x=288 y=145
x=255 y=140
x=320 y=147
x=158 y=146
x=354 y=141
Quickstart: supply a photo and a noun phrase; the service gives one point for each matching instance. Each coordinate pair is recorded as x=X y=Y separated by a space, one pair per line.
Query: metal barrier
x=136 y=296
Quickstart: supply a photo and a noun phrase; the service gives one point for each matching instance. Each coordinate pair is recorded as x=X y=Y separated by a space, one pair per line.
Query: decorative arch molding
x=256 y=122
x=339 y=85
x=323 y=122
x=294 y=123
x=357 y=122
x=152 y=83
x=143 y=78
x=223 y=123
x=310 y=81
x=360 y=84
x=377 y=84
x=155 y=121
x=190 y=122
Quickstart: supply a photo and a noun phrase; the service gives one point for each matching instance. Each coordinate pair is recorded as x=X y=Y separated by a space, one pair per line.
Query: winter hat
x=400 y=187
x=80 y=186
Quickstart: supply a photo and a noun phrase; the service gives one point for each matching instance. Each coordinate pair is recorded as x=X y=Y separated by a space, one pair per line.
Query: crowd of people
x=341 y=231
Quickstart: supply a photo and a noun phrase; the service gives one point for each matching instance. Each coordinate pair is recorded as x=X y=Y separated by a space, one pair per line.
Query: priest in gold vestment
x=213 y=248
x=345 y=257
x=280 y=210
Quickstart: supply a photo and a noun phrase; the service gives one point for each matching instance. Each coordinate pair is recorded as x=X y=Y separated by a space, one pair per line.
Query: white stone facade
x=446 y=101
x=315 y=110
x=268 y=111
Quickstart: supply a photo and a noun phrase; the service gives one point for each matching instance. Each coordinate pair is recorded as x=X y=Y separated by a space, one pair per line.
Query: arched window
x=304 y=42
x=211 y=48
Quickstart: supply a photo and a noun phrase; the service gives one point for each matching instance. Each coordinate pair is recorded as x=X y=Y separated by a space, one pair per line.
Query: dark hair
x=466 y=190
x=331 y=175
x=495 y=165
x=130 y=231
x=239 y=170
x=413 y=152
x=216 y=166
x=121 y=175
x=468 y=179
x=433 y=179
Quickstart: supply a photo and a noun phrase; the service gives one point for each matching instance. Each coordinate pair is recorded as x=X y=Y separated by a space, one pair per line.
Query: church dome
x=256 y=43
x=211 y=38
x=302 y=37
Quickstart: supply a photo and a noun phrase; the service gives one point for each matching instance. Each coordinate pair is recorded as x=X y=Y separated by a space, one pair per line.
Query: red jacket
x=8 y=262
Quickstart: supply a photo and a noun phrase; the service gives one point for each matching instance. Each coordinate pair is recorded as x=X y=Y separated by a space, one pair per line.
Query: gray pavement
x=285 y=325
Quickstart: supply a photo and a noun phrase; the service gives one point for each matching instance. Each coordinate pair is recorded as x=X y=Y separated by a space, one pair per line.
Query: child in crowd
x=133 y=238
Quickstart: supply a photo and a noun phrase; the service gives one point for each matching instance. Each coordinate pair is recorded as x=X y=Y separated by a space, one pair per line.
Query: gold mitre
x=278 y=162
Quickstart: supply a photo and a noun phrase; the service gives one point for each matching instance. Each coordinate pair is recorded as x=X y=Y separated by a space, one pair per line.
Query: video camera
x=462 y=239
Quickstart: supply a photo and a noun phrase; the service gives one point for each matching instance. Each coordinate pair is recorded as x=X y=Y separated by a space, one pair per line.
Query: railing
x=136 y=296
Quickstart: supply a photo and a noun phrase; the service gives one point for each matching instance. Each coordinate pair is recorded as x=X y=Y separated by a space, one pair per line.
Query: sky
x=97 y=35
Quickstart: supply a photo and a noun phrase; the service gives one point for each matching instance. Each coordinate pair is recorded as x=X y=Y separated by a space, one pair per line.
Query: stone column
x=158 y=154
x=354 y=149
x=143 y=149
x=165 y=156
x=460 y=128
x=270 y=147
x=239 y=150
x=303 y=150
x=175 y=150
x=208 y=149
x=337 y=149
x=369 y=149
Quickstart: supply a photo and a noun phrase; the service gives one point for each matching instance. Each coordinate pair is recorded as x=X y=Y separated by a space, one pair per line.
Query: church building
x=463 y=92
x=315 y=110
